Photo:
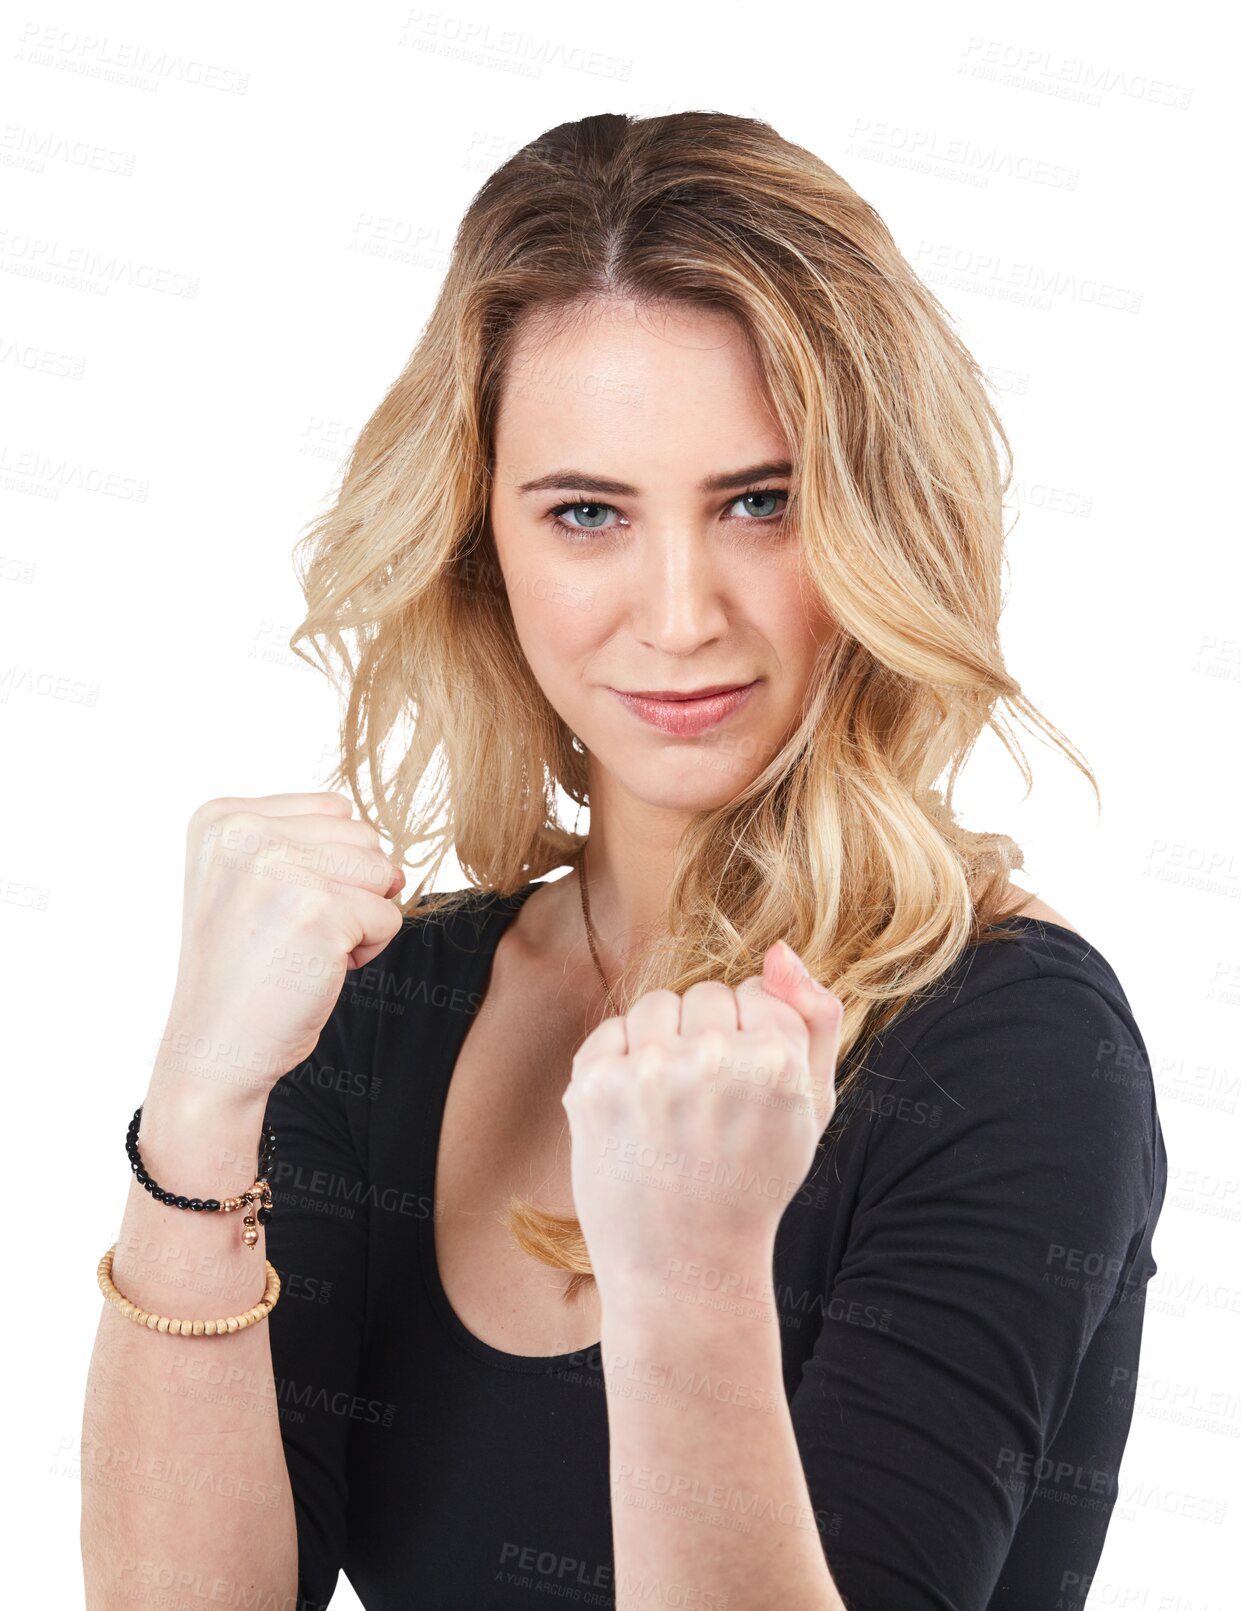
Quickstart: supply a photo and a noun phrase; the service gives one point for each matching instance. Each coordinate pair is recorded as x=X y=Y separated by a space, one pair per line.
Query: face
x=638 y=505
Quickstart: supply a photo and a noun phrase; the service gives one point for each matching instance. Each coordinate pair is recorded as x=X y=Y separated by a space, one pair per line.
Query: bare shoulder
x=1031 y=906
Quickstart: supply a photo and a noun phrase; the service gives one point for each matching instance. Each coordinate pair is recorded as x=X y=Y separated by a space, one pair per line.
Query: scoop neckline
x=497 y=912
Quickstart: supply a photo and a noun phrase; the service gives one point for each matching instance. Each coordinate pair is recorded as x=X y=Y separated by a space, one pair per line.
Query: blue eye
x=564 y=508
x=599 y=510
x=766 y=493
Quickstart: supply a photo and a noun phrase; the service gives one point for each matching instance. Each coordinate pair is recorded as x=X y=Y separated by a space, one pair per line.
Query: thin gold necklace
x=590 y=931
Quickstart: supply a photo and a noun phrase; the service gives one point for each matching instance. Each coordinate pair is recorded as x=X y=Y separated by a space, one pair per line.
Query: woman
x=636 y=1265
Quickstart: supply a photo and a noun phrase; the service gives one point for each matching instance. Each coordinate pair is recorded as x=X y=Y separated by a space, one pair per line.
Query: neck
x=629 y=862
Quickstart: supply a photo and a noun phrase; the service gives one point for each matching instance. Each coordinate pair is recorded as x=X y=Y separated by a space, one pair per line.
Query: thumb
x=786 y=977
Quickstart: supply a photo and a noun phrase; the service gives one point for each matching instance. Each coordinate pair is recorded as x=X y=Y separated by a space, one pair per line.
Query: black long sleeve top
x=960 y=1281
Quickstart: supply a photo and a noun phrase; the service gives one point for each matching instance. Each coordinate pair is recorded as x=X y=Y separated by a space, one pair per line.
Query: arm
x=176 y=1478
x=919 y=1439
x=234 y=1467
x=709 y=1497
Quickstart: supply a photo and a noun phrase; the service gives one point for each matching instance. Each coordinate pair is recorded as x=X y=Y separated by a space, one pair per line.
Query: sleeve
x=317 y=1240
x=1007 y=1188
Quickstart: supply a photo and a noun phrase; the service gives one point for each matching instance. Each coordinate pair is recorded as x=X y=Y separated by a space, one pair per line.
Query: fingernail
x=794 y=958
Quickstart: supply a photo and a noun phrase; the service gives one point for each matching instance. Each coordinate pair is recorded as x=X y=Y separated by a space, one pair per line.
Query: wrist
x=697 y=1295
x=192 y=1055
x=173 y=1098
x=193 y=1146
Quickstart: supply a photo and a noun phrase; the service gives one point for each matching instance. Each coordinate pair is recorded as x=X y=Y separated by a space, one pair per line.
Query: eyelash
x=582 y=533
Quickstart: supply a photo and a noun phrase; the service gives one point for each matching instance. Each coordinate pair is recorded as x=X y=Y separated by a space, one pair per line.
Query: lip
x=676 y=693
x=686 y=715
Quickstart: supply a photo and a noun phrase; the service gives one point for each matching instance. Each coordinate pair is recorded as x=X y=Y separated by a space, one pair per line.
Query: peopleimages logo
x=127 y=62
x=1068 y=78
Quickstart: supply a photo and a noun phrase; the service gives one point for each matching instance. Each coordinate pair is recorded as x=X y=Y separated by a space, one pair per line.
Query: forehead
x=634 y=381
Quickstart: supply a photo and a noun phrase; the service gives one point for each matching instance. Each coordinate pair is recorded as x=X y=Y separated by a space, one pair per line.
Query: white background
x=222 y=232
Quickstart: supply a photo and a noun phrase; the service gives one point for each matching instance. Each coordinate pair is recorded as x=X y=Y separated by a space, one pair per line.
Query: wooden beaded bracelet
x=188 y=1328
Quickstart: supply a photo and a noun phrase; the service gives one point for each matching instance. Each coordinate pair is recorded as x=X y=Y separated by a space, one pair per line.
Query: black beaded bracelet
x=260 y=1192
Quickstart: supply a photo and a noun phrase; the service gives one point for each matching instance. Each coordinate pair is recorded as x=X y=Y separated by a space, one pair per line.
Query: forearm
x=709 y=1497
x=182 y=1464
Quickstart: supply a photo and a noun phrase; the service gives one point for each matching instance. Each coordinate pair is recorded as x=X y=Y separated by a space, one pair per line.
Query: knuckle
x=655 y=999
x=209 y=812
x=313 y=907
x=242 y=820
x=597 y=1070
x=773 y=1046
x=218 y=804
x=708 y=989
x=341 y=863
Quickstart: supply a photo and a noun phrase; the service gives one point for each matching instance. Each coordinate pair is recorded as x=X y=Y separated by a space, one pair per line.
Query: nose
x=680 y=592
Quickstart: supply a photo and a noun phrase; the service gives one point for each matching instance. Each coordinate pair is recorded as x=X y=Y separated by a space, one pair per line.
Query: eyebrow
x=725 y=481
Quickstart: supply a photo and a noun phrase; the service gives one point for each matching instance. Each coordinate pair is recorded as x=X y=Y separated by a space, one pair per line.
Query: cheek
x=821 y=627
x=809 y=621
x=791 y=615
x=553 y=610
x=553 y=620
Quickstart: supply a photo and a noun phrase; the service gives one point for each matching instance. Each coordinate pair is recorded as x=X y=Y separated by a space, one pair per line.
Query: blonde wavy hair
x=846 y=843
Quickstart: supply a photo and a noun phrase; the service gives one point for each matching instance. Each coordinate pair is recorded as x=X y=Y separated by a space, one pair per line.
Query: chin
x=696 y=780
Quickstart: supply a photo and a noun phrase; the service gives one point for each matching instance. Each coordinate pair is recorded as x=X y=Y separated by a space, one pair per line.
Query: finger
x=375 y=924
x=656 y=1016
x=758 y=1008
x=608 y=1036
x=313 y=829
x=362 y=839
x=786 y=976
x=285 y=805
x=321 y=842
x=709 y=1004
x=344 y=865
